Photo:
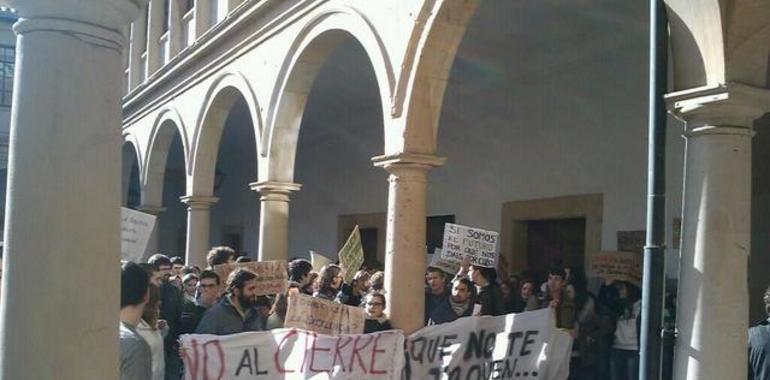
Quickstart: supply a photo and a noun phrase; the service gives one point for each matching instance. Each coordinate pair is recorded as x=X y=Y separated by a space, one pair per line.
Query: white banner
x=135 y=230
x=293 y=354
x=513 y=346
x=480 y=246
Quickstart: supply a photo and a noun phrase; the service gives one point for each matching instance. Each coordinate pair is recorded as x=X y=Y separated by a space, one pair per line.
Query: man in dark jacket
x=457 y=305
x=436 y=294
x=208 y=292
x=171 y=303
x=236 y=312
x=759 y=346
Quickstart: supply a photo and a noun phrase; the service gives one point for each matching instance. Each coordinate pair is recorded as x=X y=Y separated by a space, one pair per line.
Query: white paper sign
x=318 y=260
x=513 y=346
x=135 y=230
x=480 y=246
x=439 y=262
x=293 y=354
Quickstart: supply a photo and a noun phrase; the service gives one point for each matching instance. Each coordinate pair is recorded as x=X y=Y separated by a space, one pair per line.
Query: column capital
x=728 y=104
x=108 y=14
x=408 y=161
x=198 y=201
x=275 y=190
x=154 y=210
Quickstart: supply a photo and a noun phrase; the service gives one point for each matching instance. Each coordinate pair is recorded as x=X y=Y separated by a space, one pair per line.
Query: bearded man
x=236 y=312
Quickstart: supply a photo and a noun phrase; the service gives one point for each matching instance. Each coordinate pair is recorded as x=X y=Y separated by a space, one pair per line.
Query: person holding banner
x=236 y=312
x=376 y=320
x=329 y=283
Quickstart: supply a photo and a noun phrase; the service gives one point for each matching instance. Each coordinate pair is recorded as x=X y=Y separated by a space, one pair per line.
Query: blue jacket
x=223 y=319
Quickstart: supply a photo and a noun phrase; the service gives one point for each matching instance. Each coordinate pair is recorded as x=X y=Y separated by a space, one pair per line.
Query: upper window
x=7 y=65
x=188 y=5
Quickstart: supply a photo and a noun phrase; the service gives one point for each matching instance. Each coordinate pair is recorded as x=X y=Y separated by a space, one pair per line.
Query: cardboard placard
x=619 y=266
x=351 y=255
x=272 y=276
x=322 y=316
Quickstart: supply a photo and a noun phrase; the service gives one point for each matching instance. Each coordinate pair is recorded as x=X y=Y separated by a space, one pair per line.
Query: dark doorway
x=555 y=242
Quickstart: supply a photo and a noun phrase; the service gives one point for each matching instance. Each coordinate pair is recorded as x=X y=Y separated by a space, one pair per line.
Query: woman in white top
x=153 y=330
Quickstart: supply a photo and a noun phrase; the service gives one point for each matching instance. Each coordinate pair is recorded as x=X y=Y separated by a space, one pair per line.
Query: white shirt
x=155 y=340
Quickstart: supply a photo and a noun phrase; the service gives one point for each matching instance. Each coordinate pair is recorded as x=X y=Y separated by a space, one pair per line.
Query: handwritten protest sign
x=352 y=255
x=513 y=346
x=619 y=266
x=445 y=265
x=272 y=276
x=318 y=260
x=480 y=246
x=323 y=316
x=135 y=230
x=293 y=354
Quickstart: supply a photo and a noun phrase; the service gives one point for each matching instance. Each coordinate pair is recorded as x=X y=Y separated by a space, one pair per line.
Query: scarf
x=459 y=307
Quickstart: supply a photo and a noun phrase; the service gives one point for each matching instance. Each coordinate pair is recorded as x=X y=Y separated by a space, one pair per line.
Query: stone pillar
x=198 y=228
x=274 y=218
x=405 y=237
x=152 y=243
x=713 y=291
x=59 y=310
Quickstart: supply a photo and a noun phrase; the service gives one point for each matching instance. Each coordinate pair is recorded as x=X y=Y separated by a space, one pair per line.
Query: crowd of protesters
x=163 y=298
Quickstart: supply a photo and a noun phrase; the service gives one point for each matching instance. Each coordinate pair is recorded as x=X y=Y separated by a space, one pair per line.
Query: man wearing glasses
x=208 y=292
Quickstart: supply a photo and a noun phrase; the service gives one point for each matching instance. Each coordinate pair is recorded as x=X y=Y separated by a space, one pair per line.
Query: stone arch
x=697 y=43
x=131 y=155
x=297 y=74
x=748 y=42
x=221 y=96
x=429 y=57
x=166 y=125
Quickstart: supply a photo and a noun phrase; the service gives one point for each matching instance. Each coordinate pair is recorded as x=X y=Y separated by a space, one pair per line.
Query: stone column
x=274 y=218
x=59 y=310
x=405 y=236
x=152 y=243
x=713 y=291
x=198 y=228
